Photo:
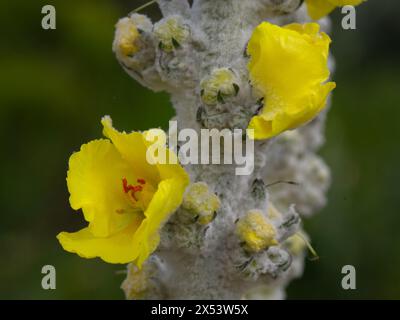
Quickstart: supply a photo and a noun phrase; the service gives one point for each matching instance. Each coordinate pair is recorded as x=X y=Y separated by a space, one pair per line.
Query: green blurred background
x=56 y=85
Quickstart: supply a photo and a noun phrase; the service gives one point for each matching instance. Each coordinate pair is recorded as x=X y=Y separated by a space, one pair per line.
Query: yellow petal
x=165 y=201
x=133 y=149
x=342 y=3
x=173 y=171
x=262 y=128
x=289 y=68
x=320 y=8
x=117 y=248
x=95 y=184
x=170 y=168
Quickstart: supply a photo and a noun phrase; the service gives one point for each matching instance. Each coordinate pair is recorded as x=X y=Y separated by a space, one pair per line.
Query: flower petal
x=168 y=197
x=320 y=8
x=117 y=248
x=133 y=149
x=94 y=181
x=288 y=67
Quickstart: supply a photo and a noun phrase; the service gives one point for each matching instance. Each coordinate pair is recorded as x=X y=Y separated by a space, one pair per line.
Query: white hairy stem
x=208 y=262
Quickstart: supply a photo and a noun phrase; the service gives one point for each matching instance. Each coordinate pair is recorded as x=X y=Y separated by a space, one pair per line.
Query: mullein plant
x=200 y=231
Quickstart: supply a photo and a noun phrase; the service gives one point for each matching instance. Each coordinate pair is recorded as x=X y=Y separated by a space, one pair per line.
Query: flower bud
x=140 y=283
x=221 y=84
x=132 y=42
x=126 y=38
x=255 y=231
x=171 y=33
x=202 y=202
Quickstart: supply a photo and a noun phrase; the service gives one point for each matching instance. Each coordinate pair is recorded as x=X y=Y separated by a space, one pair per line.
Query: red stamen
x=128 y=188
x=137 y=188
x=125 y=185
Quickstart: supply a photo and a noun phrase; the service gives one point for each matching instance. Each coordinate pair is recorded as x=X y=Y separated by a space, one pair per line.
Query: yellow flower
x=124 y=199
x=320 y=8
x=289 y=69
